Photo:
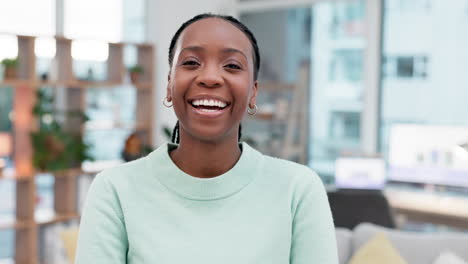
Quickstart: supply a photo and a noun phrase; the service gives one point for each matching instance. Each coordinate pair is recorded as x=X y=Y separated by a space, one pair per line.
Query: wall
x=163 y=19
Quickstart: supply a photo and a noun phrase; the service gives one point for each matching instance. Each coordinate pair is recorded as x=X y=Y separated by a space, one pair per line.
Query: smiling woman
x=210 y=67
x=223 y=60
x=206 y=197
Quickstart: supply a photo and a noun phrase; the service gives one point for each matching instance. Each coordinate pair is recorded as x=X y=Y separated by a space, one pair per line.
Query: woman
x=206 y=198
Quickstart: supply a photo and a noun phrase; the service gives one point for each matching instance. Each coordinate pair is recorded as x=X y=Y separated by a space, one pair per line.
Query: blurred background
x=371 y=94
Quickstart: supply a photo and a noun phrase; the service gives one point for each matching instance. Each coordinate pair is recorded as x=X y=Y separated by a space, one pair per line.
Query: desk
x=431 y=207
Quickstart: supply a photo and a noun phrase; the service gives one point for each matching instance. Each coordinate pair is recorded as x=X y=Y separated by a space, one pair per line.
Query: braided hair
x=233 y=21
x=175 y=138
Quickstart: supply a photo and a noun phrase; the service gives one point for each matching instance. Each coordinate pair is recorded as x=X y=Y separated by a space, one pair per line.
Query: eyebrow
x=233 y=50
x=224 y=50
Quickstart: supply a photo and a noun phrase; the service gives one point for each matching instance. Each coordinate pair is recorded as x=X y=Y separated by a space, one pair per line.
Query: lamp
x=5 y=149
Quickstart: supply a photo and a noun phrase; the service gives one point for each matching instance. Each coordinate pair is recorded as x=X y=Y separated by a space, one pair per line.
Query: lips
x=209 y=106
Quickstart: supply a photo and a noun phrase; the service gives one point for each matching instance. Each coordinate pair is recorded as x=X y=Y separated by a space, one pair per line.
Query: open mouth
x=209 y=105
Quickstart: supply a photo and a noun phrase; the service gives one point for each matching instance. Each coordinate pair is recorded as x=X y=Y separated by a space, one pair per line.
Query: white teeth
x=210 y=102
x=208 y=110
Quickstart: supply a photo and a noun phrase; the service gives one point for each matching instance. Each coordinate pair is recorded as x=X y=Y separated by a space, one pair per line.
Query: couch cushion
x=343 y=242
x=377 y=250
x=415 y=248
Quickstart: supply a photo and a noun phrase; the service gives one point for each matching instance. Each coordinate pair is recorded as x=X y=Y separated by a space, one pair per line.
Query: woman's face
x=211 y=80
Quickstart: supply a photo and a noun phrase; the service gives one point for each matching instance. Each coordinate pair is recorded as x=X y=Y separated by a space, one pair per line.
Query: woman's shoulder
x=296 y=180
x=125 y=172
x=283 y=165
x=291 y=171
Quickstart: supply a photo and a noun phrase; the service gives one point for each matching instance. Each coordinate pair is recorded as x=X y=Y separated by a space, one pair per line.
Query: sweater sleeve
x=313 y=232
x=102 y=237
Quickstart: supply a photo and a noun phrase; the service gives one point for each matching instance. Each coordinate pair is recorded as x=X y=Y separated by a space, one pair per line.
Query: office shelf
x=27 y=219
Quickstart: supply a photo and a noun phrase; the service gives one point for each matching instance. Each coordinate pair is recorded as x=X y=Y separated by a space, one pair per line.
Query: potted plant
x=135 y=73
x=10 y=66
x=56 y=148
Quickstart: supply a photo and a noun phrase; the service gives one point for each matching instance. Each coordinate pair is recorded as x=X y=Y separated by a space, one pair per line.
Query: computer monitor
x=428 y=154
x=360 y=173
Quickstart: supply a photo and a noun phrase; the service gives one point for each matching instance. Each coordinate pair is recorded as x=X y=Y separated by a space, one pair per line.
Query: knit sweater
x=263 y=210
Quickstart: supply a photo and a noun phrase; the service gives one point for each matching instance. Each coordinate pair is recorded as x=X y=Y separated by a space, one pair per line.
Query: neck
x=205 y=159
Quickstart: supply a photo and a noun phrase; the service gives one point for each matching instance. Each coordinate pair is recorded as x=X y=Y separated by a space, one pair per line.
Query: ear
x=253 y=94
x=168 y=88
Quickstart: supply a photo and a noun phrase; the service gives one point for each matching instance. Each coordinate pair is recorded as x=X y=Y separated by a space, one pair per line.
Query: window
x=334 y=52
x=424 y=71
x=285 y=50
x=99 y=22
x=346 y=19
x=111 y=113
x=37 y=19
x=6 y=108
x=9 y=48
x=405 y=67
x=134 y=20
x=338 y=45
x=109 y=20
x=346 y=65
x=345 y=125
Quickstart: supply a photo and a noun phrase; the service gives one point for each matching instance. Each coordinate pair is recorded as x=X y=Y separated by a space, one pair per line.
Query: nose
x=210 y=77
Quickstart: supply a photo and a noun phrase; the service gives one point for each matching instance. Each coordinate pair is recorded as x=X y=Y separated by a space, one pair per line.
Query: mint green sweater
x=263 y=210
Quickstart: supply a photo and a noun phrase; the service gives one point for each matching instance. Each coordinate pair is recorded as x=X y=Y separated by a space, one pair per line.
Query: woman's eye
x=233 y=66
x=190 y=63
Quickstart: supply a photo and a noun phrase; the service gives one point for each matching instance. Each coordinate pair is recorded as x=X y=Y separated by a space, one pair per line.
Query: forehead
x=214 y=32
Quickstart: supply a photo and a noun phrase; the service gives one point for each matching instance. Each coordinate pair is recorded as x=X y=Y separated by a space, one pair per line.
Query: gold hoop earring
x=252 y=111
x=166 y=103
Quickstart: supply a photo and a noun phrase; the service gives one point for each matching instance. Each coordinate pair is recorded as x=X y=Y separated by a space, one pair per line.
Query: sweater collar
x=219 y=187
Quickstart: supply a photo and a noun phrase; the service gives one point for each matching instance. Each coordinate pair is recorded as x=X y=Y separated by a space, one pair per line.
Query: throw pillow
x=448 y=257
x=377 y=250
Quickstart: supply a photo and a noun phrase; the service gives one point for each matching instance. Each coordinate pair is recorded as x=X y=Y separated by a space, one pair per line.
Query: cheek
x=178 y=92
x=178 y=89
x=241 y=93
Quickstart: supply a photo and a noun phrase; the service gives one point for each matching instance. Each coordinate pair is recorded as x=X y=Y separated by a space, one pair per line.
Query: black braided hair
x=176 y=135
x=236 y=23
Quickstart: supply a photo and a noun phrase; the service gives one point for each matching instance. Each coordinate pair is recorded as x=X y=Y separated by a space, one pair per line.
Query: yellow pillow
x=70 y=239
x=378 y=250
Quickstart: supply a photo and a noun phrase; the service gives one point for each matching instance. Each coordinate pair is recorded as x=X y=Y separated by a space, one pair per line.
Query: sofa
x=414 y=247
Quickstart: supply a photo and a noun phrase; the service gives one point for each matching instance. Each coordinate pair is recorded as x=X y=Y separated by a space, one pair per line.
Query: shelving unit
x=27 y=222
